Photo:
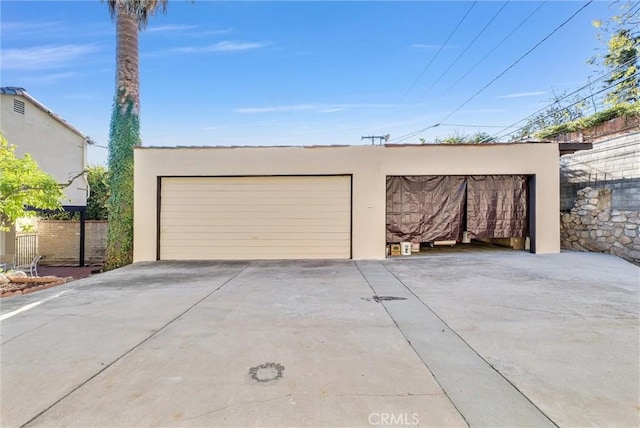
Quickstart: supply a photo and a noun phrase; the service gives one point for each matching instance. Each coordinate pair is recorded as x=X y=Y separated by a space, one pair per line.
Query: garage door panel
x=268 y=243
x=255 y=217
x=244 y=251
x=282 y=188
x=263 y=229
x=246 y=256
x=287 y=195
x=293 y=211
x=180 y=217
x=256 y=223
x=269 y=238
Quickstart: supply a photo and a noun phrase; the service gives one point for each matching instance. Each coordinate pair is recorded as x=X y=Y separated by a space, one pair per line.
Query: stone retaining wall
x=592 y=225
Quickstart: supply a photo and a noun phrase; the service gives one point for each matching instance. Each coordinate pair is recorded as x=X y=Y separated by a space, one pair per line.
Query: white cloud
x=206 y=33
x=44 y=57
x=522 y=94
x=224 y=46
x=322 y=108
x=169 y=28
x=276 y=109
x=31 y=29
x=188 y=30
x=52 y=77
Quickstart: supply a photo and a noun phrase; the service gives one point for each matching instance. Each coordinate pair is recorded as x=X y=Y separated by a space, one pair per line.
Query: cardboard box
x=395 y=249
x=515 y=243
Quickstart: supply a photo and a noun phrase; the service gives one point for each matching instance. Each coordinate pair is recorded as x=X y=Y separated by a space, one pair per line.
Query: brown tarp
x=432 y=208
x=497 y=206
x=425 y=208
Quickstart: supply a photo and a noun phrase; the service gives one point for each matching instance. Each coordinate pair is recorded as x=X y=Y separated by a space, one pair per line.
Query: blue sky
x=300 y=73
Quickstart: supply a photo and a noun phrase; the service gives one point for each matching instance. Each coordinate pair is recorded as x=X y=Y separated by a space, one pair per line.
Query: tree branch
x=72 y=179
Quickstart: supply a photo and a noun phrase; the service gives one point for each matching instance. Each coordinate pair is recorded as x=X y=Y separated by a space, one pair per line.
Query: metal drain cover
x=266 y=372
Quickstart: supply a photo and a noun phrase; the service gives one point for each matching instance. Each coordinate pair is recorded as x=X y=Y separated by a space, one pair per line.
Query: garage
x=254 y=217
x=330 y=202
x=448 y=210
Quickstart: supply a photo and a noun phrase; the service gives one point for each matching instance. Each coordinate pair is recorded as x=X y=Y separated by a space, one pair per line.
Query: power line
x=414 y=133
x=439 y=49
x=473 y=126
x=465 y=49
x=501 y=133
x=492 y=50
x=569 y=95
x=566 y=21
x=588 y=84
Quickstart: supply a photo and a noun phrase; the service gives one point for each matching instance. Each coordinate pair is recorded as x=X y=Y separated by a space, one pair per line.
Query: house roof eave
x=16 y=91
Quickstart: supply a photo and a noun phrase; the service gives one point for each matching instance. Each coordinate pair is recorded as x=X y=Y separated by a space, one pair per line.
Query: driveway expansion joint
x=480 y=393
x=106 y=366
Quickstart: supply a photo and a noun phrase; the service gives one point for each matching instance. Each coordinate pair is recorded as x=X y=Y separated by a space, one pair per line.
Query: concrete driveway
x=488 y=339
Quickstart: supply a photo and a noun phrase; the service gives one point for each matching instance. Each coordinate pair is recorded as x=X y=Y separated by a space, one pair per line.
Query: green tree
x=455 y=138
x=98 y=201
x=480 y=137
x=622 y=60
x=458 y=137
x=617 y=66
x=620 y=53
x=130 y=16
x=23 y=184
x=559 y=111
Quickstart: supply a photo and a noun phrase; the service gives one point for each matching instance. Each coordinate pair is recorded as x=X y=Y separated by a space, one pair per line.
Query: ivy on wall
x=124 y=134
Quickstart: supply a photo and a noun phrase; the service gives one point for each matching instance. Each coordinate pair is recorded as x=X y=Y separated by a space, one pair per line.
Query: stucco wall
x=369 y=165
x=59 y=151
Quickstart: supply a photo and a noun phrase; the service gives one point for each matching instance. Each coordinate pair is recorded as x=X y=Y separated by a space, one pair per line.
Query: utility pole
x=373 y=138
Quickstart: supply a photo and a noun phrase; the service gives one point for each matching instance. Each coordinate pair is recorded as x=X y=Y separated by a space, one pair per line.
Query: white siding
x=218 y=218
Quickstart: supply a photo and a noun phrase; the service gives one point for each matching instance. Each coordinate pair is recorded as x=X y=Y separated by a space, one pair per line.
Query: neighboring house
x=339 y=201
x=59 y=148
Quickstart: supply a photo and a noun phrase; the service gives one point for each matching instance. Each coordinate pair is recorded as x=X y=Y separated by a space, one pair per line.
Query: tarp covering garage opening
x=434 y=208
x=497 y=206
x=424 y=208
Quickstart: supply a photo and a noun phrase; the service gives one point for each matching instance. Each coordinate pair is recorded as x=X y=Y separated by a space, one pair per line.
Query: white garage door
x=226 y=218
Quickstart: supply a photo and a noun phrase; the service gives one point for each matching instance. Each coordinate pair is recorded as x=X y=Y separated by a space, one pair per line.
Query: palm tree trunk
x=127 y=69
x=124 y=134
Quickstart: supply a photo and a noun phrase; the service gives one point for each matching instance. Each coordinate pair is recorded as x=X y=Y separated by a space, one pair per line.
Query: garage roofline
x=333 y=146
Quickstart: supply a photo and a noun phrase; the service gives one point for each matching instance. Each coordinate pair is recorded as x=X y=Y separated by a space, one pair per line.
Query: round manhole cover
x=266 y=372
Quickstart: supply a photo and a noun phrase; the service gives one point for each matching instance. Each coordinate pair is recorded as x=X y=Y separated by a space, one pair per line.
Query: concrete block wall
x=613 y=163
x=59 y=241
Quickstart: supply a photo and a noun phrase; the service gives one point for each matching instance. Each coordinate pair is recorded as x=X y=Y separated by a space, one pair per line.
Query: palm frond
x=140 y=9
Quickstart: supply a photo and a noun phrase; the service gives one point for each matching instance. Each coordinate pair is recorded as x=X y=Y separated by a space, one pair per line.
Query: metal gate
x=26 y=249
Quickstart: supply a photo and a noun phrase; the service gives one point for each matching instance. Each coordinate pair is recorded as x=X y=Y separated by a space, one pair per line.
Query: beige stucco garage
x=310 y=202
